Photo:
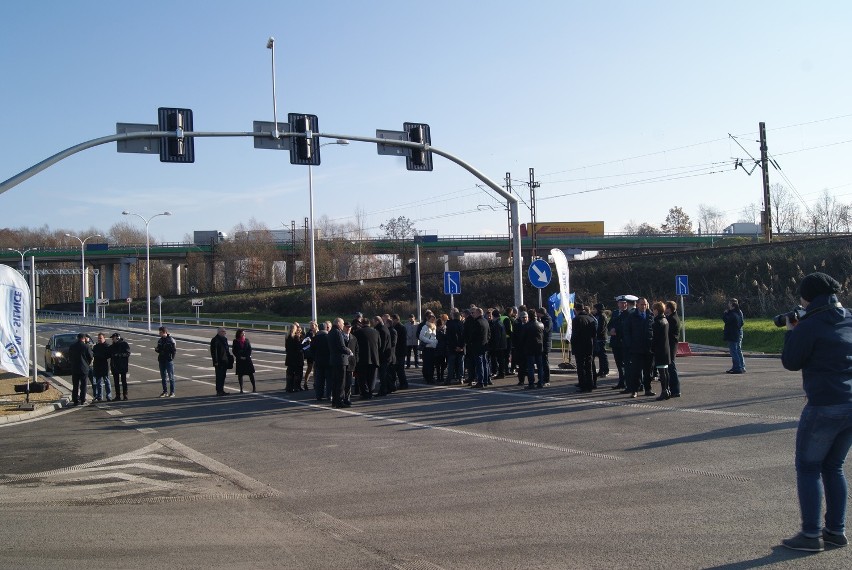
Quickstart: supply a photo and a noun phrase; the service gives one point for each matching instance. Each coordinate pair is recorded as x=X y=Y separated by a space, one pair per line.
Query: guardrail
x=133 y=321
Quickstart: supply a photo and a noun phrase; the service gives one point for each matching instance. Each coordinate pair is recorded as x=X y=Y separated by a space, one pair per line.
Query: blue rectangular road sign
x=682 y=285
x=452 y=282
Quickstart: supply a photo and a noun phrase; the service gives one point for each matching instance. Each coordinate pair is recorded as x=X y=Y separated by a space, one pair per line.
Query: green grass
x=759 y=335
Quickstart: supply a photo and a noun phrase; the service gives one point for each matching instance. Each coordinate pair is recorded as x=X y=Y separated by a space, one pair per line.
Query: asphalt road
x=427 y=478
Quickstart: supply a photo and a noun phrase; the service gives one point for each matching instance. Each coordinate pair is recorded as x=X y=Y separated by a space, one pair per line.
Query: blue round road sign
x=540 y=273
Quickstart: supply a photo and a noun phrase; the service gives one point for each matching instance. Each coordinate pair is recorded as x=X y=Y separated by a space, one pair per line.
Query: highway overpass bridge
x=109 y=257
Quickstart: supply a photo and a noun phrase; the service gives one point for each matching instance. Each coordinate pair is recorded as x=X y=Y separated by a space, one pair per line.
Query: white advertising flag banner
x=14 y=322
x=561 y=263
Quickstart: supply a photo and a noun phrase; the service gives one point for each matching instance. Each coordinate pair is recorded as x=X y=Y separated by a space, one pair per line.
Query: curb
x=60 y=385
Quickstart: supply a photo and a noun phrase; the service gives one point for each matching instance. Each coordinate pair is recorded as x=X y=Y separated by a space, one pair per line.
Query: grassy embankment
x=759 y=335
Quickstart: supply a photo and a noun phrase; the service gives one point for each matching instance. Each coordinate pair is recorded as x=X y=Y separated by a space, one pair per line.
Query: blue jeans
x=167 y=372
x=455 y=366
x=534 y=361
x=822 y=443
x=736 y=348
x=97 y=389
x=483 y=373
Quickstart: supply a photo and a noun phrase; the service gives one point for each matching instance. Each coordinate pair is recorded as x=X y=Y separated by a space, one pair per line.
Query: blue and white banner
x=14 y=322
x=561 y=263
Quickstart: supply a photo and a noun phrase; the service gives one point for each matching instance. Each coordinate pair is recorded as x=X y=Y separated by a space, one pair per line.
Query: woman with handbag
x=241 y=348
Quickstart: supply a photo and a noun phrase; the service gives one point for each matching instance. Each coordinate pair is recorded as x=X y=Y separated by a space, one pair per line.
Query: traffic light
x=180 y=149
x=420 y=159
x=412 y=276
x=304 y=150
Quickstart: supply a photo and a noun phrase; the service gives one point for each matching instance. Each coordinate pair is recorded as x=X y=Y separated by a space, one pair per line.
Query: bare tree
x=711 y=220
x=786 y=215
x=644 y=229
x=749 y=214
x=827 y=214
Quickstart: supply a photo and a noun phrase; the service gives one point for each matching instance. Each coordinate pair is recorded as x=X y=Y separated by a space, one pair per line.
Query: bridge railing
x=137 y=321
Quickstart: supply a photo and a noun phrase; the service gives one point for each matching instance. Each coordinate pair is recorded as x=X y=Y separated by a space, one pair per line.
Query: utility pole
x=766 y=214
x=532 y=232
x=293 y=252
x=307 y=254
x=509 y=210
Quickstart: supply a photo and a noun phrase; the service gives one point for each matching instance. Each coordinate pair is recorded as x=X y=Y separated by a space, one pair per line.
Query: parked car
x=56 y=352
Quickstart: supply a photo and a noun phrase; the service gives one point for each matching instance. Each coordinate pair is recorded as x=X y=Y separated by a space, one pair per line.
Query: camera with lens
x=794 y=316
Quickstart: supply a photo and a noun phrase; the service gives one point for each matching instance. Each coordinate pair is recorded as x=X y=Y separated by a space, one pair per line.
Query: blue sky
x=622 y=108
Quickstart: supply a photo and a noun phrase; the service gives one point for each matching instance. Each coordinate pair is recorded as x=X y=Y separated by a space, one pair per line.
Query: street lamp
x=22 y=253
x=311 y=230
x=147 y=256
x=270 y=45
x=83 y=265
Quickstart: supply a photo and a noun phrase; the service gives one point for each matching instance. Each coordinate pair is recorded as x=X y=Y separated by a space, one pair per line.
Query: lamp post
x=147 y=257
x=83 y=265
x=270 y=45
x=22 y=254
x=311 y=230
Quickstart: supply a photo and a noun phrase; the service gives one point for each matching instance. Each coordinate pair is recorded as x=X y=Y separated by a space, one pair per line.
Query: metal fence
x=134 y=321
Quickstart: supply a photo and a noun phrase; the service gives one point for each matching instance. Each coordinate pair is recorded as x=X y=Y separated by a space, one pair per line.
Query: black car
x=56 y=352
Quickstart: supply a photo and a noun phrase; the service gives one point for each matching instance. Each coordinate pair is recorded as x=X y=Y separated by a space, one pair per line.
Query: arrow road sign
x=682 y=285
x=540 y=273
x=452 y=282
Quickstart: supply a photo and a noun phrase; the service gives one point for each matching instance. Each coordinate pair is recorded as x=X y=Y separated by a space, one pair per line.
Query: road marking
x=164 y=471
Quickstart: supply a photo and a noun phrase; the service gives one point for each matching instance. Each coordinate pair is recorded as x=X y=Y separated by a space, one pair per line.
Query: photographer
x=819 y=343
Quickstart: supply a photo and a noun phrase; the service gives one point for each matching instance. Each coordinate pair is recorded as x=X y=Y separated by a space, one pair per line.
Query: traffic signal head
x=180 y=148
x=304 y=150
x=420 y=158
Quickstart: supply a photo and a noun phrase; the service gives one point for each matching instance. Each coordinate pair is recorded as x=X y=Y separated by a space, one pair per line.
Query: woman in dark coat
x=661 y=348
x=295 y=358
x=241 y=348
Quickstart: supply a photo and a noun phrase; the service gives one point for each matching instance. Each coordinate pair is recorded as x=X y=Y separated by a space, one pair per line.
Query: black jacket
x=455 y=336
x=638 y=332
x=166 y=349
x=368 y=346
x=401 y=343
x=219 y=351
x=242 y=357
x=498 y=335
x=100 y=359
x=583 y=331
x=532 y=336
x=320 y=349
x=337 y=356
x=119 y=356
x=80 y=358
x=660 y=341
x=674 y=333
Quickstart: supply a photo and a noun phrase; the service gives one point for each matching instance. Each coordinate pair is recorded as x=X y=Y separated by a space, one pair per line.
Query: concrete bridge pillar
x=177 y=268
x=108 y=280
x=124 y=276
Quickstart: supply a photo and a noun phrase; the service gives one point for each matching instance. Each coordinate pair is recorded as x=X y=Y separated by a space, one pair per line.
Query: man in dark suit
x=385 y=354
x=336 y=360
x=583 y=332
x=400 y=351
x=352 y=344
x=80 y=357
x=320 y=350
x=368 y=358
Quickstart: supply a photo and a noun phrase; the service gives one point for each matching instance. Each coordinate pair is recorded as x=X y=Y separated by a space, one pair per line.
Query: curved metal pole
x=512 y=200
